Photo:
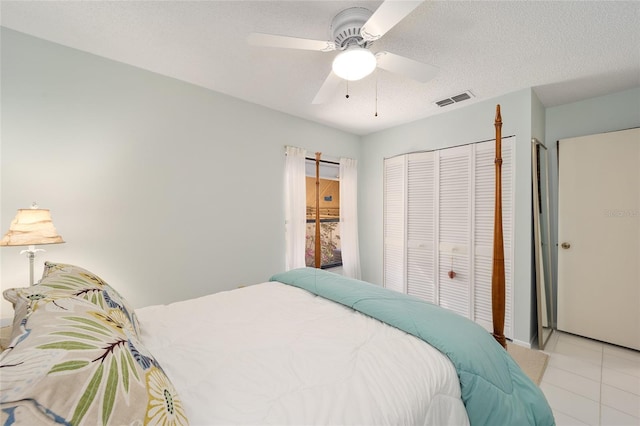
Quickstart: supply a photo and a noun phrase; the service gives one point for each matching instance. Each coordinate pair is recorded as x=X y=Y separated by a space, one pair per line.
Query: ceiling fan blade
x=406 y=67
x=270 y=40
x=386 y=17
x=328 y=88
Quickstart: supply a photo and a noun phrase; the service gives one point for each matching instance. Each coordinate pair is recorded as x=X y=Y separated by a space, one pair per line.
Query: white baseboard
x=521 y=343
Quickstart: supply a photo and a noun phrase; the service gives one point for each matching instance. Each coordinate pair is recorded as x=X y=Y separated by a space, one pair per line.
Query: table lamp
x=31 y=227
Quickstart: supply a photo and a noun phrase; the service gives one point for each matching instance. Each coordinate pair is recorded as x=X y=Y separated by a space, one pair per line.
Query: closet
x=438 y=227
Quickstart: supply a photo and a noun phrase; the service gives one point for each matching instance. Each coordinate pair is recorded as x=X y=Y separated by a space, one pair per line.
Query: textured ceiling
x=566 y=51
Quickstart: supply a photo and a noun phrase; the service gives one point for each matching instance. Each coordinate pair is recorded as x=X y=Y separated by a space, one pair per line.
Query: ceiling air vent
x=455 y=99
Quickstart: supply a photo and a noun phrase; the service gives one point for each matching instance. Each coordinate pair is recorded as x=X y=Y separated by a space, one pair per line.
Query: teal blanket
x=495 y=391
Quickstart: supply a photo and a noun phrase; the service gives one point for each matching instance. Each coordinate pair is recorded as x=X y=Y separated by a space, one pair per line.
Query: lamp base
x=31 y=255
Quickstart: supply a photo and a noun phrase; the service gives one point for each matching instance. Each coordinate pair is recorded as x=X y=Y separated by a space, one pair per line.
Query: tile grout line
x=565 y=412
x=574 y=373
x=584 y=348
x=601 y=379
x=568 y=415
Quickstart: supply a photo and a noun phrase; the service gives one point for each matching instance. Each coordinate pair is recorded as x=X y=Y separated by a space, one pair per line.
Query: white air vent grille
x=455 y=99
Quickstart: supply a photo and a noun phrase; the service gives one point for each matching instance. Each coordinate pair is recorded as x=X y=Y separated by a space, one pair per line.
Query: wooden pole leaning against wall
x=498 y=274
x=318 y=253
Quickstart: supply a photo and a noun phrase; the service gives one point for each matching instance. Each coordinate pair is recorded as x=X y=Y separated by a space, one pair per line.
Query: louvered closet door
x=438 y=217
x=421 y=225
x=394 y=223
x=484 y=199
x=454 y=218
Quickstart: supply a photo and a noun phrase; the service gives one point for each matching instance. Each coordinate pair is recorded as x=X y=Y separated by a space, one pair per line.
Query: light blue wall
x=538 y=118
x=165 y=189
x=616 y=111
x=468 y=124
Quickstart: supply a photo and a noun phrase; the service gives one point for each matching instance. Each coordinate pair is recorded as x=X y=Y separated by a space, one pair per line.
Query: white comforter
x=275 y=354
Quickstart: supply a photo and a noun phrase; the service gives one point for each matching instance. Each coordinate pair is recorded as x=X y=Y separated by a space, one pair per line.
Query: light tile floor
x=591 y=383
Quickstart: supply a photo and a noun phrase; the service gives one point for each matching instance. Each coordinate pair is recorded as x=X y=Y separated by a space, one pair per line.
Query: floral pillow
x=72 y=361
x=61 y=280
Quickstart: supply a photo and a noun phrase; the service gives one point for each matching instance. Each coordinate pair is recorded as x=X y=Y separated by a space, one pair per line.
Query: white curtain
x=295 y=207
x=349 y=217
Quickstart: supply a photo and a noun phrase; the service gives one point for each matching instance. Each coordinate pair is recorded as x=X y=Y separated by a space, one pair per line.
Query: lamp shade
x=354 y=63
x=31 y=227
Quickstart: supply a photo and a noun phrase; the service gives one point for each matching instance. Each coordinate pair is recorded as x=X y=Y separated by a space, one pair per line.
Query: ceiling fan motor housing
x=346 y=25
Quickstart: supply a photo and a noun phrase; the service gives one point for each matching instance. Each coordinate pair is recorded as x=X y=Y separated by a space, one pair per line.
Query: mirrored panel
x=542 y=242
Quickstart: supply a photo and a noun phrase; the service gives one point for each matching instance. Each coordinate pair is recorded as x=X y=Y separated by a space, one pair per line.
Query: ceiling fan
x=353 y=32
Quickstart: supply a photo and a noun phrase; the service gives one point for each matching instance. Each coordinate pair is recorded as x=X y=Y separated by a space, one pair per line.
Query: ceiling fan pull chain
x=347 y=90
x=376 y=112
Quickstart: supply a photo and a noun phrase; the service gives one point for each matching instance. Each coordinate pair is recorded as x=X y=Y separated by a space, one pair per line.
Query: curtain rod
x=322 y=161
x=447 y=147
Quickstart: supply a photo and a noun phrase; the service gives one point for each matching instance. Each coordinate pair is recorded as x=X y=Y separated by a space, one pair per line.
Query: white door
x=599 y=237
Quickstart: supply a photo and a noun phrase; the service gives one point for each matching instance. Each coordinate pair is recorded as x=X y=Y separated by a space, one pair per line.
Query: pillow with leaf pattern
x=62 y=279
x=75 y=361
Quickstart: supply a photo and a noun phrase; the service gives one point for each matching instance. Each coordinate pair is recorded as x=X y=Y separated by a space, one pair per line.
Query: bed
x=305 y=347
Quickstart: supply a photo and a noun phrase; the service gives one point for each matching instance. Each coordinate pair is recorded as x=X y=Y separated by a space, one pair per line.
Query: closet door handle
x=565 y=246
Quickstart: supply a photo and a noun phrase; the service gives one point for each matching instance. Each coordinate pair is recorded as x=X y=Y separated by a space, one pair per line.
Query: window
x=329 y=206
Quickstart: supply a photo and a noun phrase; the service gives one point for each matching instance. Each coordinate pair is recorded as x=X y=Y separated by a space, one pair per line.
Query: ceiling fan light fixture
x=354 y=63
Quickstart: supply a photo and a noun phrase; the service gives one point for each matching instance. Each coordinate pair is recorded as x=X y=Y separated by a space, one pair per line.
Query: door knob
x=565 y=246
